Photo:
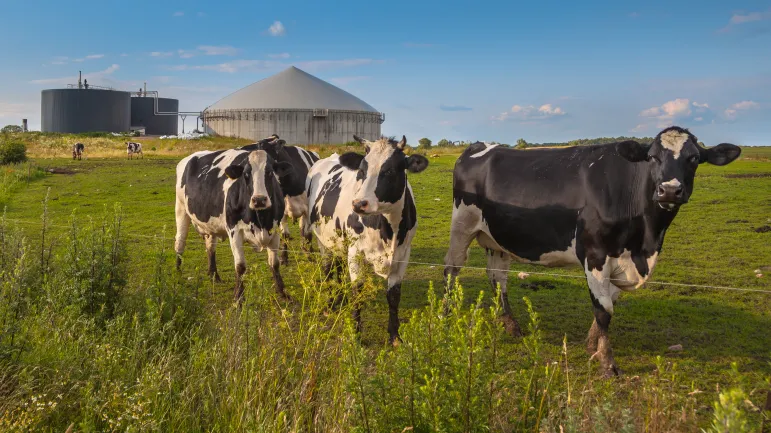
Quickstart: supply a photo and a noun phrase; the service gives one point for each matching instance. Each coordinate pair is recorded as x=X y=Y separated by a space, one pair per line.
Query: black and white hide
x=363 y=204
x=77 y=151
x=292 y=185
x=231 y=194
x=133 y=148
x=605 y=208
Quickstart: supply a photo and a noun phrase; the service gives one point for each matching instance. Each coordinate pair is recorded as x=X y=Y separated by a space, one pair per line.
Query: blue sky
x=489 y=70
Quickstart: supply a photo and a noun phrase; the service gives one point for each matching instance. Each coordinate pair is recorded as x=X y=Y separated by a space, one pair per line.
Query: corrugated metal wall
x=143 y=114
x=295 y=126
x=81 y=110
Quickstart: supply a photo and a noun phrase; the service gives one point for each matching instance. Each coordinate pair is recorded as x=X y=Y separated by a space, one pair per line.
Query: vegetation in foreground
x=82 y=348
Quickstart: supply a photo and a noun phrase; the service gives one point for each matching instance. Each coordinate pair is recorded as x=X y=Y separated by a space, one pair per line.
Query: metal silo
x=85 y=110
x=145 y=113
x=299 y=107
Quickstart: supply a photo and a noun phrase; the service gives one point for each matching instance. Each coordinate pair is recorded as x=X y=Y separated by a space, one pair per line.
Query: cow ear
x=362 y=141
x=283 y=168
x=722 y=154
x=351 y=160
x=400 y=145
x=234 y=171
x=416 y=163
x=633 y=151
x=279 y=144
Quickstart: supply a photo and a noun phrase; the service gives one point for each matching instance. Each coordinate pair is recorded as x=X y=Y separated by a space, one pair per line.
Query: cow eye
x=694 y=159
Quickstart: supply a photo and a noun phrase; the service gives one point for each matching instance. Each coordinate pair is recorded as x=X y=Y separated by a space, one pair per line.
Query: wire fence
x=521 y=273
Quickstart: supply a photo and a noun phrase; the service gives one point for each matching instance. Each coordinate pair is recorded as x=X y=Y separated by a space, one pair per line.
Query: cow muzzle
x=259 y=202
x=670 y=195
x=361 y=207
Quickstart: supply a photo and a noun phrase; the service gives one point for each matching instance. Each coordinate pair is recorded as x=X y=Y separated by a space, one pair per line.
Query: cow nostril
x=360 y=204
x=661 y=190
x=679 y=192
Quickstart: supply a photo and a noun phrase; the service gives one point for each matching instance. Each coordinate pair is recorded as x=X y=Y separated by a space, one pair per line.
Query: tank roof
x=291 y=88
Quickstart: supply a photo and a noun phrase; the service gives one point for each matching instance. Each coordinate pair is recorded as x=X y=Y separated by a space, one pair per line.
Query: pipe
x=167 y=113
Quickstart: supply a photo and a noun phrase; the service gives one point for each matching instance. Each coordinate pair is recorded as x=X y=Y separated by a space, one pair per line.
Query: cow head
x=673 y=157
x=258 y=177
x=381 y=173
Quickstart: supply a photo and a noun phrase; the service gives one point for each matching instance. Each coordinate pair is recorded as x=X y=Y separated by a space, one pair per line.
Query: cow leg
x=356 y=284
x=285 y=237
x=237 y=247
x=603 y=294
x=307 y=235
x=394 y=295
x=211 y=252
x=275 y=262
x=498 y=264
x=461 y=236
x=183 y=225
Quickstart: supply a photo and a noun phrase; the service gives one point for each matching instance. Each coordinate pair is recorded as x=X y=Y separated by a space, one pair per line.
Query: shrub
x=12 y=152
x=521 y=144
x=10 y=129
x=444 y=143
x=424 y=143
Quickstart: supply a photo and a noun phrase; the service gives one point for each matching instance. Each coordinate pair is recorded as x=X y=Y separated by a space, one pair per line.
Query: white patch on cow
x=560 y=258
x=379 y=152
x=617 y=274
x=674 y=140
x=591 y=164
x=258 y=159
x=674 y=182
x=488 y=147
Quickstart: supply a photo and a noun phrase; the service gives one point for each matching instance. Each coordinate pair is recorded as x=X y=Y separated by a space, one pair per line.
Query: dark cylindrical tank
x=85 y=110
x=143 y=114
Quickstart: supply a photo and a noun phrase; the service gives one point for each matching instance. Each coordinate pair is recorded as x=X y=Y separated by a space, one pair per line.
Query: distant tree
x=521 y=144
x=8 y=129
x=425 y=143
x=444 y=143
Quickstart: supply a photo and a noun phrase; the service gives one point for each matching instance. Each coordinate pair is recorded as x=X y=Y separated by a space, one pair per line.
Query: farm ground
x=717 y=239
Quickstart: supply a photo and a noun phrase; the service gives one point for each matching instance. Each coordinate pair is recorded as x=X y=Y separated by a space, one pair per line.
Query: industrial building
x=300 y=108
x=83 y=108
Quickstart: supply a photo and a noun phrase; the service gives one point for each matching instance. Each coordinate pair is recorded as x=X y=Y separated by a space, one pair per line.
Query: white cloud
x=178 y=14
x=73 y=79
x=530 y=113
x=14 y=110
x=279 y=56
x=277 y=29
x=744 y=18
x=161 y=54
x=670 y=111
x=221 y=50
x=697 y=105
x=733 y=111
x=94 y=56
x=124 y=55
x=186 y=54
x=418 y=45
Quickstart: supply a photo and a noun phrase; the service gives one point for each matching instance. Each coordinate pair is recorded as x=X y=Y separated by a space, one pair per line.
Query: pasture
x=720 y=238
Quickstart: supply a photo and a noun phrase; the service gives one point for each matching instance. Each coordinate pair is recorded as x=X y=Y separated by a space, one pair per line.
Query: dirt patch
x=59 y=170
x=536 y=286
x=763 y=229
x=736 y=221
x=718 y=201
x=747 y=175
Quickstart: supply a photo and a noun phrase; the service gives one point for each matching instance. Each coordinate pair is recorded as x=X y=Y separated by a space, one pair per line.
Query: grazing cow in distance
x=292 y=184
x=605 y=208
x=233 y=194
x=364 y=204
x=134 y=148
x=77 y=150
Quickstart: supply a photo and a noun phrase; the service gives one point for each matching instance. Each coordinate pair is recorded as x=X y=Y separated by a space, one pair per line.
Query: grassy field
x=718 y=239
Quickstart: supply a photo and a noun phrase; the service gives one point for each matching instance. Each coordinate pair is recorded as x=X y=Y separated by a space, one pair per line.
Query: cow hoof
x=611 y=372
x=216 y=278
x=511 y=326
x=285 y=297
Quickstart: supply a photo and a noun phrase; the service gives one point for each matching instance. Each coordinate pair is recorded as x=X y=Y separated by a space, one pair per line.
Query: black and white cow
x=363 y=204
x=77 y=150
x=134 y=148
x=604 y=207
x=233 y=194
x=292 y=184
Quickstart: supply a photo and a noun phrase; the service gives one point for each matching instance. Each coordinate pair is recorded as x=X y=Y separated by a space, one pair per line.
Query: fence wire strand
x=510 y=271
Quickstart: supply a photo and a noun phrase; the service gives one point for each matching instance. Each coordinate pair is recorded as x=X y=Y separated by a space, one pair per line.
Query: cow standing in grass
x=233 y=194
x=292 y=184
x=605 y=208
x=363 y=204
x=77 y=150
x=134 y=149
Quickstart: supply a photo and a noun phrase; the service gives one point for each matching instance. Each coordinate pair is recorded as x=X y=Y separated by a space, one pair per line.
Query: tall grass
x=84 y=345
